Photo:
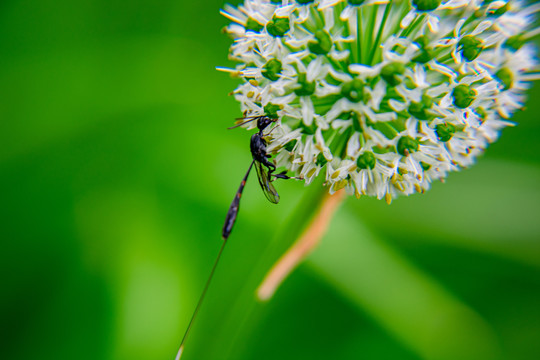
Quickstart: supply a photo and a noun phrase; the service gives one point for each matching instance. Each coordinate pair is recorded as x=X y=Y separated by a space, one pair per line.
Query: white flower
x=423 y=90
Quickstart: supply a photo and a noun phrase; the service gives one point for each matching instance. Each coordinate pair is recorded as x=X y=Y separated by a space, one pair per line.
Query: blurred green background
x=117 y=170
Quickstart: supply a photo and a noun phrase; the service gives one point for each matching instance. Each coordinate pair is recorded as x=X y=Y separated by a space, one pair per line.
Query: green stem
x=380 y=33
x=412 y=26
x=316 y=15
x=445 y=58
x=346 y=33
x=359 y=34
x=369 y=34
x=338 y=65
x=406 y=7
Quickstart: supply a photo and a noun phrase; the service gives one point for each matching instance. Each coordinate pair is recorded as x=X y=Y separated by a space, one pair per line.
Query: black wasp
x=265 y=173
x=265 y=170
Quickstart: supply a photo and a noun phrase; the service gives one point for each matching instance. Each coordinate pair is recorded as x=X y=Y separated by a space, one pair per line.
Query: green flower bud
x=390 y=73
x=515 y=42
x=278 y=26
x=306 y=88
x=407 y=145
x=470 y=47
x=463 y=96
x=356 y=2
x=290 y=145
x=271 y=110
x=308 y=130
x=480 y=111
x=479 y=13
x=354 y=90
x=321 y=161
x=425 y=166
x=322 y=43
x=500 y=11
x=253 y=25
x=366 y=161
x=445 y=131
x=425 y=53
x=272 y=69
x=383 y=150
x=426 y=5
x=420 y=110
x=505 y=77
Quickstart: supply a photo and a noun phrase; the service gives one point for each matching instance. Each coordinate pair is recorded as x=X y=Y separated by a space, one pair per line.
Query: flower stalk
x=303 y=246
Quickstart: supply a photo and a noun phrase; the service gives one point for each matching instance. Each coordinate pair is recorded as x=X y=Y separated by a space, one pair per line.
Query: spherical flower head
x=382 y=97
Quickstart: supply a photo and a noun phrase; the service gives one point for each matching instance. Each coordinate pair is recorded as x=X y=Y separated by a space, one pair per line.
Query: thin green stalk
x=406 y=32
x=532 y=35
x=369 y=34
x=380 y=33
x=406 y=7
x=319 y=20
x=337 y=64
x=358 y=34
x=445 y=58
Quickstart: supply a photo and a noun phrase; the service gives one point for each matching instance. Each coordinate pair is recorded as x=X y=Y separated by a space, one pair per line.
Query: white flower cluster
x=383 y=97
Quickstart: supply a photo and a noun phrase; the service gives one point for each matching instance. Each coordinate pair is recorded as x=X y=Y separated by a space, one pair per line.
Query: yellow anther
x=340 y=184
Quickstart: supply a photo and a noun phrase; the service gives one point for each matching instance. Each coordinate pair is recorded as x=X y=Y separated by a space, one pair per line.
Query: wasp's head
x=264 y=121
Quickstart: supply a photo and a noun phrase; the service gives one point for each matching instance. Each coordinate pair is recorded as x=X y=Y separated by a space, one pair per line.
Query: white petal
x=408 y=19
x=353 y=145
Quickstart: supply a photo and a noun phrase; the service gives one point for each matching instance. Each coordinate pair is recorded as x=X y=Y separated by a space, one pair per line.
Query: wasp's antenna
x=196 y=311
x=251 y=118
x=248 y=117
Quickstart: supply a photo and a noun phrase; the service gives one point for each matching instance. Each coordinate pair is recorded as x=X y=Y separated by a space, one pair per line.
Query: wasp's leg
x=270 y=132
x=271 y=167
x=282 y=175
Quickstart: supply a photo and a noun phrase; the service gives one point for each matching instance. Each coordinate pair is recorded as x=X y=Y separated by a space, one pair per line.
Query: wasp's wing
x=268 y=189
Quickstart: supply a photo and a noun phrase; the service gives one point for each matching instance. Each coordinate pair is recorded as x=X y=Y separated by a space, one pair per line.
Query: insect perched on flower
x=265 y=171
x=382 y=97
